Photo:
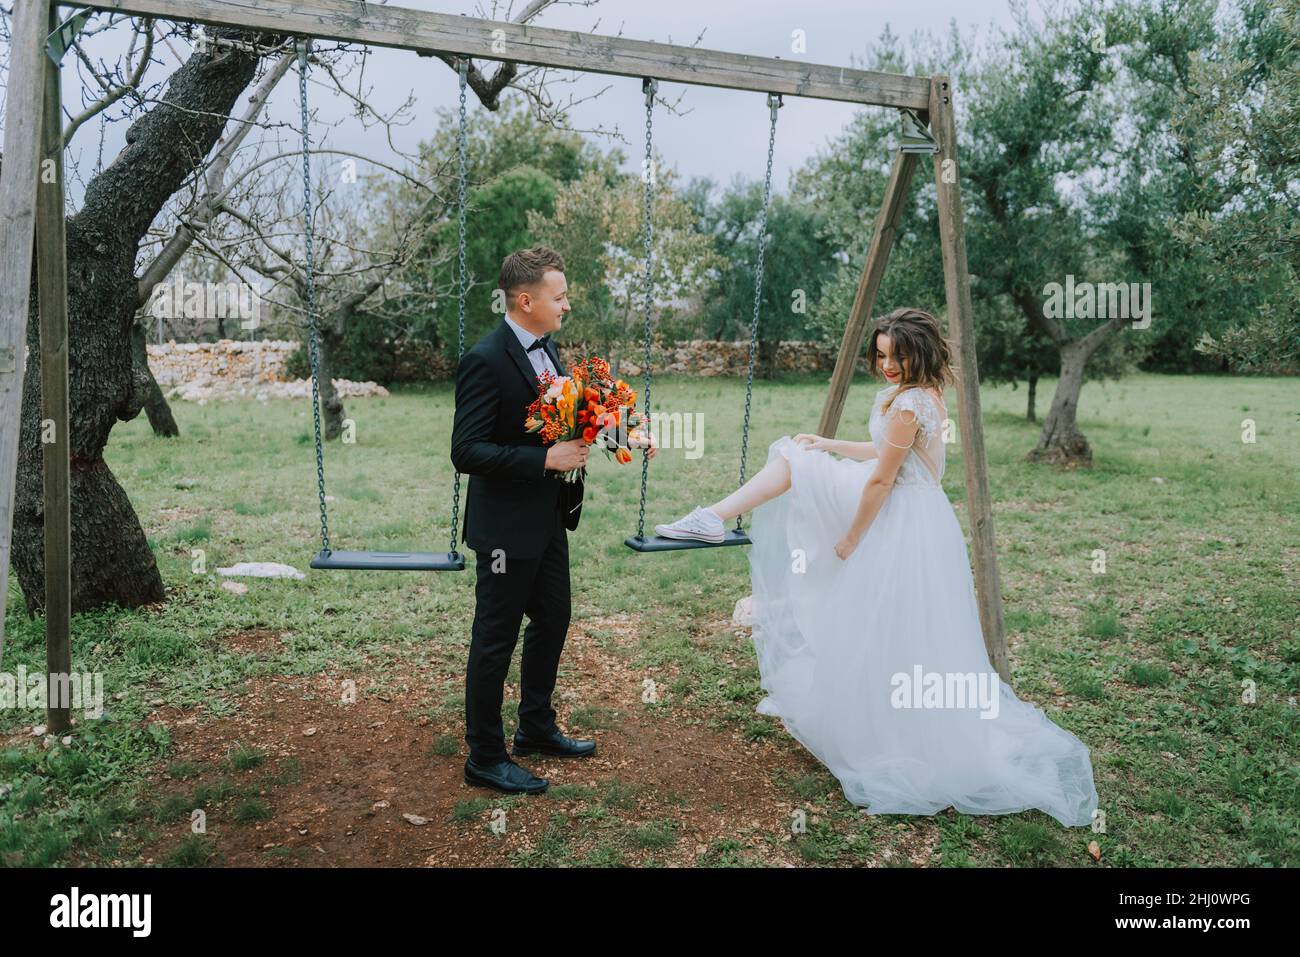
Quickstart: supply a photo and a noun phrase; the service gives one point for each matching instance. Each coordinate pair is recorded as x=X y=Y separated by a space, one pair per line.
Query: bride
x=864 y=616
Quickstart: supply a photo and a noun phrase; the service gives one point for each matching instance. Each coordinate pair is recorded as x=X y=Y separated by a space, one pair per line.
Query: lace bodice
x=925 y=463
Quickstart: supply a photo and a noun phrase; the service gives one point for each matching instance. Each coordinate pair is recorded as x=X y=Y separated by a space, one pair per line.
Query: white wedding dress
x=842 y=643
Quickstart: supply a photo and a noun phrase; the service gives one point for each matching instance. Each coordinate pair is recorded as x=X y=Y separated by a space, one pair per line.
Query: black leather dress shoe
x=504 y=776
x=555 y=745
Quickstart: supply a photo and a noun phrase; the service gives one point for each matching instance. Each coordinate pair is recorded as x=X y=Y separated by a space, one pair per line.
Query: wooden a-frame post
x=855 y=329
x=18 y=185
x=31 y=208
x=961 y=327
x=52 y=283
x=428 y=32
x=952 y=243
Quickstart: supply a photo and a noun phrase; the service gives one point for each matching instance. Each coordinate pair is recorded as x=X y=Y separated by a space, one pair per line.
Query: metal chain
x=460 y=260
x=311 y=294
x=650 y=87
x=774 y=103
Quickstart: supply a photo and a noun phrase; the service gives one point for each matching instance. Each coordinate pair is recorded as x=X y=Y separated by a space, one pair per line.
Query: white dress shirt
x=538 y=357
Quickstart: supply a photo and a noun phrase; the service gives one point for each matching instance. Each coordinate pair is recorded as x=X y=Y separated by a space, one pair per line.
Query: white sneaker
x=701 y=525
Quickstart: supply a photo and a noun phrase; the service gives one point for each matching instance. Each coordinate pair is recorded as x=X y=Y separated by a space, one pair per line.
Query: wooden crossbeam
x=428 y=32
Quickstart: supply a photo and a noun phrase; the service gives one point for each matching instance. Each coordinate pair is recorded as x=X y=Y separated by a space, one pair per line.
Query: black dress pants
x=536 y=587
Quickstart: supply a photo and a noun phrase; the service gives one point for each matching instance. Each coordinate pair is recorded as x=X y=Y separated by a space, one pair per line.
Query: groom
x=517 y=510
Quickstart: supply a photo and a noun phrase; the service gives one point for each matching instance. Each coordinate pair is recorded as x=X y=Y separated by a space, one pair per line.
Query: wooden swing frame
x=32 y=218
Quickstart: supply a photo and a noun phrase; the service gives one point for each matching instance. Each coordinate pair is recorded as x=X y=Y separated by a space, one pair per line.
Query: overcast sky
x=723 y=132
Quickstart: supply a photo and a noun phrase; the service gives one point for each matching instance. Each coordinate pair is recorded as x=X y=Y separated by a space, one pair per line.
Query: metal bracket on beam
x=205 y=43
x=916 y=137
x=61 y=40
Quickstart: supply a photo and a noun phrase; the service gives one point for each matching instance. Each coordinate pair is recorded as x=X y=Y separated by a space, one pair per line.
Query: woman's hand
x=847 y=545
x=814 y=442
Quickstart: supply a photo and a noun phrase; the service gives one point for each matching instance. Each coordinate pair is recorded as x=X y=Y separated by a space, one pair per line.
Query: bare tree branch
x=161 y=267
x=112 y=94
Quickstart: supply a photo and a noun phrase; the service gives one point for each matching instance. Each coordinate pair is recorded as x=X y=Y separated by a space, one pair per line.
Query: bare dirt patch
x=363 y=784
x=253 y=641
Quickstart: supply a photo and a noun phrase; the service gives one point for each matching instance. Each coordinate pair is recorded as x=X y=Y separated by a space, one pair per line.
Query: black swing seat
x=657 y=543
x=390 y=561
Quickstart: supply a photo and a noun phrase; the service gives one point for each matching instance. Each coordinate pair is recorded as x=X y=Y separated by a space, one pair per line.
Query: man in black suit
x=517 y=510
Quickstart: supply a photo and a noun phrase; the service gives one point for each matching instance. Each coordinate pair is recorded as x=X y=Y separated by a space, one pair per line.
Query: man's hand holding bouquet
x=589 y=404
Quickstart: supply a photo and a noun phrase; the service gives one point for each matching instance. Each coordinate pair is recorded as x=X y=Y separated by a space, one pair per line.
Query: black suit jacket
x=512 y=496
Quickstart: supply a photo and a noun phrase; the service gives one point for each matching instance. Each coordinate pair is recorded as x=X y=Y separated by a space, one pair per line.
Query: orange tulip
x=589 y=435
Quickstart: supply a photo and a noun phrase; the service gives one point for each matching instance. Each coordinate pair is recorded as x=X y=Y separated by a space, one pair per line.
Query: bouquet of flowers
x=589 y=404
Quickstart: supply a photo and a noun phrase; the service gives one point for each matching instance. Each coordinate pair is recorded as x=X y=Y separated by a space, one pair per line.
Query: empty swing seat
x=390 y=561
x=735 y=536
x=328 y=558
x=657 y=543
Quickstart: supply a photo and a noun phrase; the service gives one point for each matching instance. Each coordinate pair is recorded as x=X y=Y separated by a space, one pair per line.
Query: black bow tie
x=539 y=343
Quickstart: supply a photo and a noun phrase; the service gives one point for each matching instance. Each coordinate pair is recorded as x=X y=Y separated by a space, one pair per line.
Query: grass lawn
x=1177 y=664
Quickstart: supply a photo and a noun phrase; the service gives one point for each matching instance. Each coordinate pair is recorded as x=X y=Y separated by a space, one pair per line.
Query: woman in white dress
x=864 y=616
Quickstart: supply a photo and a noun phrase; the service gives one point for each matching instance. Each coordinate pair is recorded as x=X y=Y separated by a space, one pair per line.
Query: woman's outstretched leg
x=709 y=524
x=772 y=479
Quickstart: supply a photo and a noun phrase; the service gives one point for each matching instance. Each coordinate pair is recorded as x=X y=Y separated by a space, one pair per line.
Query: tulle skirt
x=876 y=664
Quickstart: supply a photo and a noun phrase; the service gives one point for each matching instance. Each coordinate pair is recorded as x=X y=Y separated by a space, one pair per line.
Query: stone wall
x=418 y=361
x=233 y=368
x=182 y=363
x=707 y=357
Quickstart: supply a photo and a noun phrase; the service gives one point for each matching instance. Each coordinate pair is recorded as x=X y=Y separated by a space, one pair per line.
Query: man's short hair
x=526 y=267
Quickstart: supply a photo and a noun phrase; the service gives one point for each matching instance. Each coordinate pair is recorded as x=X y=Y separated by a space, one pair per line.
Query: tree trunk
x=155 y=405
x=1060 y=441
x=330 y=401
x=1032 y=413
x=111 y=560
x=766 y=359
